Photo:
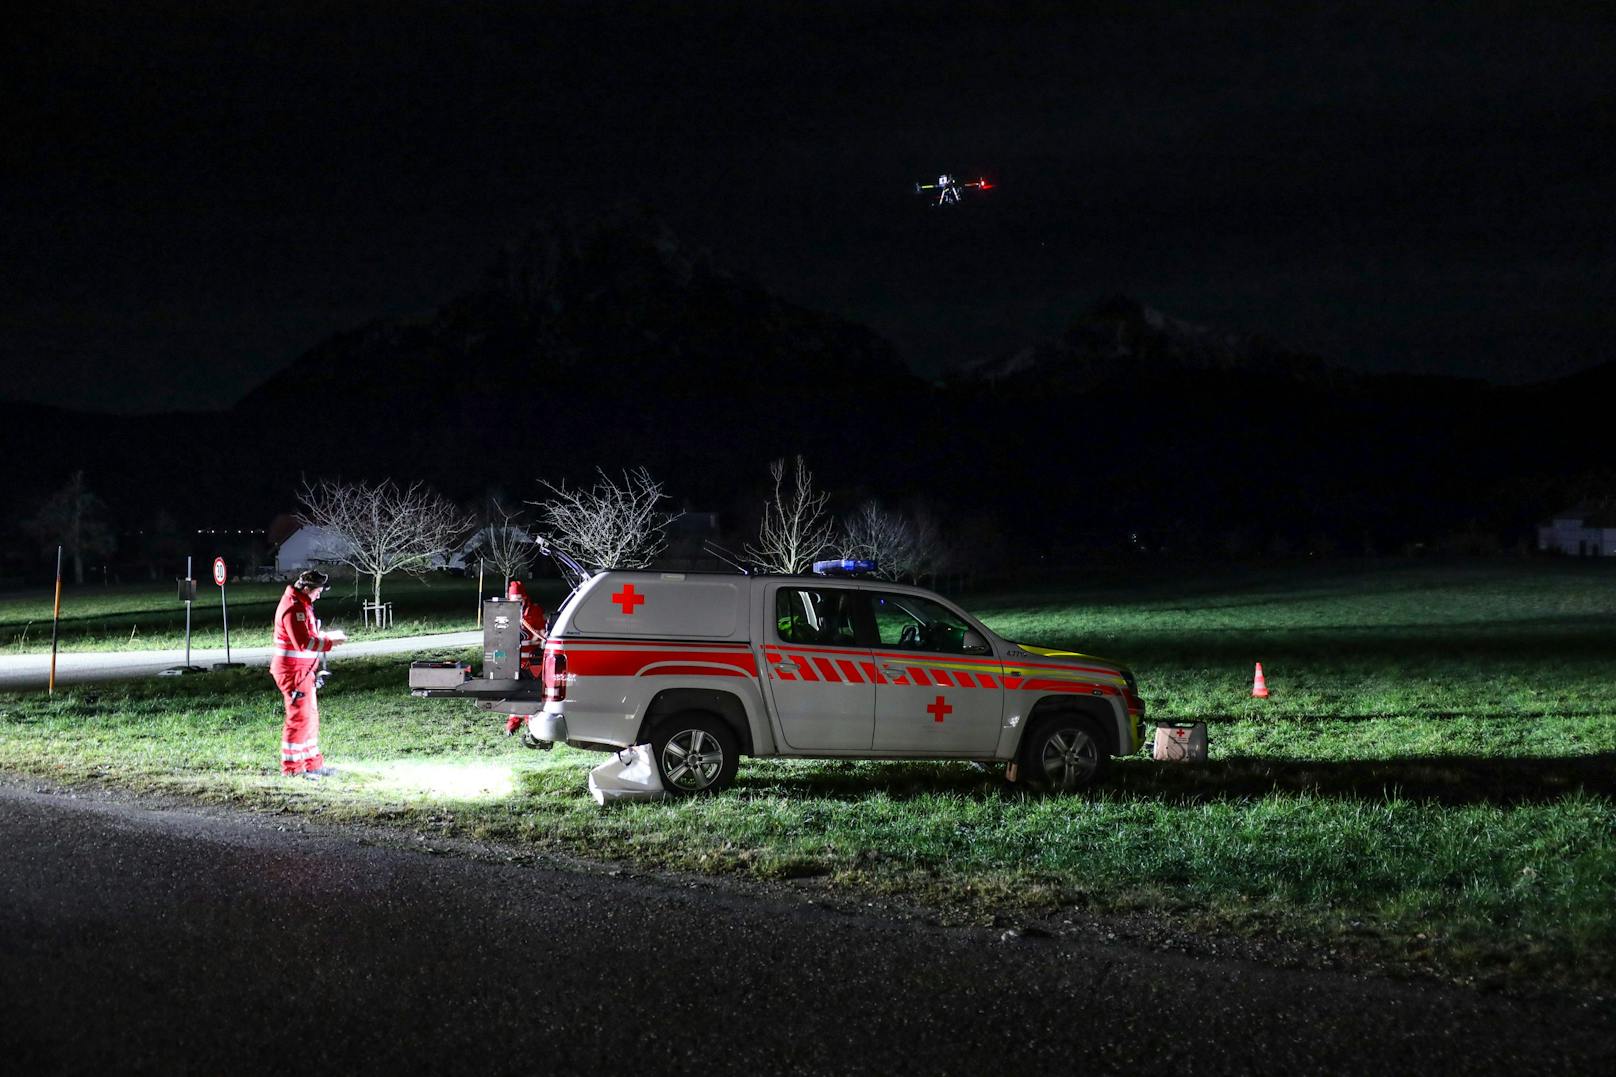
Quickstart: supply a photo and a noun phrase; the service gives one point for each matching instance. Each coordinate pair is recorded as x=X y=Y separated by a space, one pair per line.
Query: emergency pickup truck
x=708 y=667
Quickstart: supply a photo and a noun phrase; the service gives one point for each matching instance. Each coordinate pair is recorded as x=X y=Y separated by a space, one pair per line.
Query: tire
x=706 y=736
x=1064 y=753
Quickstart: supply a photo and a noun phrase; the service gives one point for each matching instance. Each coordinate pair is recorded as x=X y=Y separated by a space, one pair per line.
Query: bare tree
x=796 y=528
x=881 y=535
x=935 y=553
x=75 y=518
x=904 y=547
x=383 y=528
x=504 y=541
x=607 y=525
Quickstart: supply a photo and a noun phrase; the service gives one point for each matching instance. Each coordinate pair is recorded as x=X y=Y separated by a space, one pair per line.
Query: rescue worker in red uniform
x=295 y=665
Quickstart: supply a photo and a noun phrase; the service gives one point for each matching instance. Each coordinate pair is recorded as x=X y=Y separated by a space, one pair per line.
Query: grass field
x=1432 y=784
x=150 y=616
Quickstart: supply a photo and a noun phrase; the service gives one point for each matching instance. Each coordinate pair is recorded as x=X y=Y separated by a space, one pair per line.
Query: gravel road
x=142 y=936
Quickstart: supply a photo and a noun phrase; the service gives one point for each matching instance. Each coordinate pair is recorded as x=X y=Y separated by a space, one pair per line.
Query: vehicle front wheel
x=1064 y=754
x=696 y=753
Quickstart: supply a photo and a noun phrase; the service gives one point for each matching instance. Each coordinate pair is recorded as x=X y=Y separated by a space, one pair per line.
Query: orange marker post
x=56 y=619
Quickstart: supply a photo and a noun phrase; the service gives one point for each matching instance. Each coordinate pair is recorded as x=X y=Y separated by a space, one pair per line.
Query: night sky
x=193 y=195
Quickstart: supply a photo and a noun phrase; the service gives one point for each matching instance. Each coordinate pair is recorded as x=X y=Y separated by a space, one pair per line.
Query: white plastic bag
x=630 y=774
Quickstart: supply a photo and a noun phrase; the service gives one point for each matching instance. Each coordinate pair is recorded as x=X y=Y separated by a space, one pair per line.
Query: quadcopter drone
x=948 y=188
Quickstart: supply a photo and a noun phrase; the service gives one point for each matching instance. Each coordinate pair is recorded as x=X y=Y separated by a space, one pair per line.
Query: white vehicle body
x=811 y=666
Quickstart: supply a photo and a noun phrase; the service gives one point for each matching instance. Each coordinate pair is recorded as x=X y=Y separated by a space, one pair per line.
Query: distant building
x=465 y=558
x=1580 y=531
x=308 y=547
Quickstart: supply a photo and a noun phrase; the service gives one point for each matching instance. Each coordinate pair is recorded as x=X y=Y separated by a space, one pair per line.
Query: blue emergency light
x=844 y=567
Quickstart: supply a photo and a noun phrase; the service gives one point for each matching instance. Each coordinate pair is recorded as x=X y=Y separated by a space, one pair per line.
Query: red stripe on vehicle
x=917 y=676
x=872 y=674
x=807 y=669
x=986 y=681
x=1071 y=687
x=850 y=671
x=828 y=670
x=600 y=663
x=843 y=652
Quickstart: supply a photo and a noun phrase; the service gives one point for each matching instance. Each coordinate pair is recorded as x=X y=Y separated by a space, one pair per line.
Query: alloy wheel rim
x=692 y=759
x=1069 y=759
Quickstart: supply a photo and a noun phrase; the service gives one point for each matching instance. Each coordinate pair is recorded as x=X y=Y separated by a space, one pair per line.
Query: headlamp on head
x=311 y=580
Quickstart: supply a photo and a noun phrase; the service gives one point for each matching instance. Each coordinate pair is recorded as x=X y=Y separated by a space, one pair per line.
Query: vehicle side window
x=912 y=623
x=815 y=615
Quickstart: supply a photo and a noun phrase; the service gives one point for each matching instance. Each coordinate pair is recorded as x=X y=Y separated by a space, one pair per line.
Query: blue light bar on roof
x=843 y=567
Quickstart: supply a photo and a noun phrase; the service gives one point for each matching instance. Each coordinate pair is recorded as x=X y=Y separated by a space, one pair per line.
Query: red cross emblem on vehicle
x=628 y=600
x=940 y=708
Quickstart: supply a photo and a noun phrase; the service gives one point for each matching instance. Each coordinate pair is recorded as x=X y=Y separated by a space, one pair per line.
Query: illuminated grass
x=1432 y=782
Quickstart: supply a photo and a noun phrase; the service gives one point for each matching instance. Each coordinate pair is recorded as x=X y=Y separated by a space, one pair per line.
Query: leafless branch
x=796 y=528
x=904 y=547
x=504 y=541
x=608 y=525
x=383 y=528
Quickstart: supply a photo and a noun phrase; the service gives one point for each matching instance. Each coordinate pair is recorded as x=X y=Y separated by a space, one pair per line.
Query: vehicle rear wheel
x=695 y=752
x=1064 y=753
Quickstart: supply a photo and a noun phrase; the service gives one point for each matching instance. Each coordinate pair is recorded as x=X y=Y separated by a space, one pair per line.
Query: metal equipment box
x=502 y=639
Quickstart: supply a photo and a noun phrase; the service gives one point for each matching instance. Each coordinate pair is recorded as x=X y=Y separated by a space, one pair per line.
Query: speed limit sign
x=220 y=573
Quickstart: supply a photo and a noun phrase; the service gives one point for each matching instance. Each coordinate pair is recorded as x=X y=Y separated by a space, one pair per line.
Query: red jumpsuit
x=295 y=658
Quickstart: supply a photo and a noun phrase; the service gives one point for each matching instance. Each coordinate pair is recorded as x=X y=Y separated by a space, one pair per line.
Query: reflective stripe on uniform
x=289 y=652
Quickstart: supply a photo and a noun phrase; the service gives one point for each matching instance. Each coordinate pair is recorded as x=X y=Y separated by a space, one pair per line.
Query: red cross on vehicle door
x=934 y=696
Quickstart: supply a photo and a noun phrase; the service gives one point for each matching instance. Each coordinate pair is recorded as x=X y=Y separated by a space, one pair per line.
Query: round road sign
x=220 y=573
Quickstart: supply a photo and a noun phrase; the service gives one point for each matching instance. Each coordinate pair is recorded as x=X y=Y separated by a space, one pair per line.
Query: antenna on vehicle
x=726 y=556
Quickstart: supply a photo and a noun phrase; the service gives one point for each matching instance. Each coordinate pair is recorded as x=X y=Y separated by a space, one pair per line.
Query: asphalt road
x=19 y=672
x=142 y=938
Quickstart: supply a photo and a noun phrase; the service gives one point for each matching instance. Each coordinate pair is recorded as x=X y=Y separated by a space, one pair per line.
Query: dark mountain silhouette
x=610 y=344
x=1206 y=440
x=607 y=344
x=1122 y=338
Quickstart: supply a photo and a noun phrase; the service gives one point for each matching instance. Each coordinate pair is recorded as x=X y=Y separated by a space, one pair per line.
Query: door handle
x=893 y=671
x=788 y=666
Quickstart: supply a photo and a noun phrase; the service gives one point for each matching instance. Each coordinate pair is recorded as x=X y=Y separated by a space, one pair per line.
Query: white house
x=308 y=547
x=1580 y=531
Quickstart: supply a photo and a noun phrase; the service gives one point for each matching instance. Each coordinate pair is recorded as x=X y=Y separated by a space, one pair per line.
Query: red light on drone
x=984 y=184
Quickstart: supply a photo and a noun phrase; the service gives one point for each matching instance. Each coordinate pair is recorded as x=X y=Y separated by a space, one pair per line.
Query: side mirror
x=973 y=643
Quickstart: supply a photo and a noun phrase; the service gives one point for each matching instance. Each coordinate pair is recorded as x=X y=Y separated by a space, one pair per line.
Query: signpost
x=220 y=575
x=187 y=596
x=56 y=620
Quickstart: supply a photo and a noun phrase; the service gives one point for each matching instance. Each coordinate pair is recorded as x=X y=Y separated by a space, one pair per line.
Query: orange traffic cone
x=1259 y=687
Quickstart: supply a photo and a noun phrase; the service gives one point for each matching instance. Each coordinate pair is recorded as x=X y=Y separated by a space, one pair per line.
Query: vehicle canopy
x=659 y=605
